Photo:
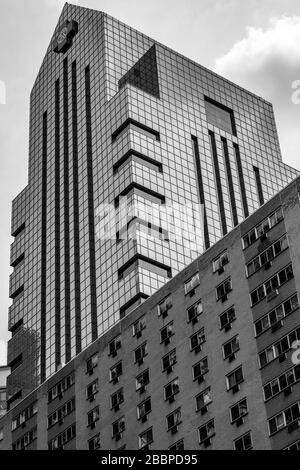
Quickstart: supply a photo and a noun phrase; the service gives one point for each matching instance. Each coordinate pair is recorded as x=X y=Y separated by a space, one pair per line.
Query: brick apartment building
x=205 y=363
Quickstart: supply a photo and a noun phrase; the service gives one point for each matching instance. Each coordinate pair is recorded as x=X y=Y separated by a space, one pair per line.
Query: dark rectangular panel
x=218 y=182
x=230 y=182
x=66 y=215
x=43 y=247
x=76 y=210
x=57 y=227
x=201 y=190
x=91 y=215
x=241 y=179
x=258 y=185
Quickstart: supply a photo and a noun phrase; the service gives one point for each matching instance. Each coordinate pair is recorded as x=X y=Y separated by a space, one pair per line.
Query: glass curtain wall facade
x=114 y=117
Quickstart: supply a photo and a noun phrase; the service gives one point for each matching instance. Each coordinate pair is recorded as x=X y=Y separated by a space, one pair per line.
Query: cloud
x=267 y=62
x=3 y=357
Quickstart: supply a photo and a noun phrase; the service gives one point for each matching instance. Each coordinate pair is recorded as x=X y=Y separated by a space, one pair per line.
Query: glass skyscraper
x=114 y=117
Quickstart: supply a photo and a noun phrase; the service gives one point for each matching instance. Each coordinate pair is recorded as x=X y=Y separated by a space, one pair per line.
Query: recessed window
x=118 y=427
x=93 y=417
x=244 y=442
x=91 y=364
x=194 y=312
x=206 y=433
x=238 y=412
x=179 y=445
x=142 y=380
x=117 y=399
x=174 y=420
x=166 y=333
x=114 y=346
x=227 y=318
x=231 y=348
x=95 y=442
x=92 y=389
x=203 y=399
x=115 y=372
x=223 y=290
x=144 y=409
x=196 y=340
x=220 y=262
x=164 y=306
x=168 y=361
x=140 y=353
x=191 y=284
x=234 y=379
x=200 y=369
x=171 y=390
x=145 y=439
x=138 y=327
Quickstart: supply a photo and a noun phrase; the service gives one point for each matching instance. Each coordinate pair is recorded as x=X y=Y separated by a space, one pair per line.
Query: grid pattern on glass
x=143 y=74
x=219 y=116
x=104 y=51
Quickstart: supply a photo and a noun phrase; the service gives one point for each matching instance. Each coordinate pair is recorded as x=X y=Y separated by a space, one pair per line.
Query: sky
x=255 y=43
